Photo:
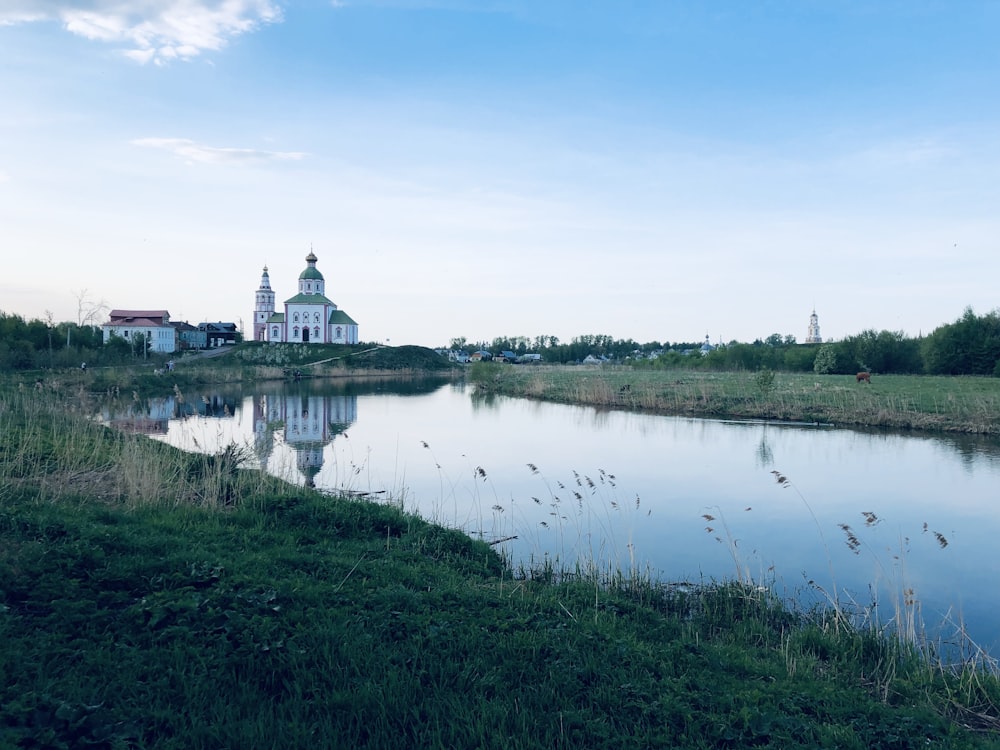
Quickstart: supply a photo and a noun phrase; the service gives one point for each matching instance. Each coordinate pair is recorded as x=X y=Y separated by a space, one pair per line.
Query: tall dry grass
x=51 y=447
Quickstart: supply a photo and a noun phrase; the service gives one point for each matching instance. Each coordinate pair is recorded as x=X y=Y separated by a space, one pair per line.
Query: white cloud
x=155 y=31
x=913 y=152
x=196 y=152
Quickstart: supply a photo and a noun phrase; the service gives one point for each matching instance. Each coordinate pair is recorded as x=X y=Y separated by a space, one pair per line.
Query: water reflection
x=152 y=416
x=631 y=491
x=306 y=422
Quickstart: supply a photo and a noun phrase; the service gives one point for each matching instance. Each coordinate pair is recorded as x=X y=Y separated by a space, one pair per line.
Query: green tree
x=800 y=357
x=826 y=360
x=969 y=346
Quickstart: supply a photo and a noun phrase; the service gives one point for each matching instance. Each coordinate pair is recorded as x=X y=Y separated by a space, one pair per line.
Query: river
x=905 y=522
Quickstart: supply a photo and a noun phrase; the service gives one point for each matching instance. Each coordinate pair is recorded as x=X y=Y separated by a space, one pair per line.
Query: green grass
x=956 y=404
x=156 y=599
x=248 y=362
x=262 y=361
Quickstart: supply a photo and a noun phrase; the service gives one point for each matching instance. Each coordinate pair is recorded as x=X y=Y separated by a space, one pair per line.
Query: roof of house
x=139 y=318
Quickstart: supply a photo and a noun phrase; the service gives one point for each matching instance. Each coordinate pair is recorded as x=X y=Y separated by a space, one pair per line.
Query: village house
x=188 y=336
x=219 y=334
x=151 y=325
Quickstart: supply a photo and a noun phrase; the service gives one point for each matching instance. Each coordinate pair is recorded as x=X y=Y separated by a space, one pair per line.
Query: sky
x=659 y=170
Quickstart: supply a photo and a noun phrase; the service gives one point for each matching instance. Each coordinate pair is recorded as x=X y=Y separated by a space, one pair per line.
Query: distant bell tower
x=263 y=307
x=814 y=337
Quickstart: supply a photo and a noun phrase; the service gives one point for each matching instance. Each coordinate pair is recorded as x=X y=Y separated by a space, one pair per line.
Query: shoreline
x=920 y=403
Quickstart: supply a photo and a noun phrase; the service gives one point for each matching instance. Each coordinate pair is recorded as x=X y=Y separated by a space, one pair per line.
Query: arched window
x=295 y=332
x=316 y=332
x=339 y=330
x=295 y=317
x=274 y=332
x=315 y=317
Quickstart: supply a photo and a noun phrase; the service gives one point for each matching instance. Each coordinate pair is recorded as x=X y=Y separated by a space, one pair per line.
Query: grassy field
x=151 y=598
x=958 y=404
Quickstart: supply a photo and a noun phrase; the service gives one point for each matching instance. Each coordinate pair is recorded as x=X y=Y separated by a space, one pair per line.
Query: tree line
x=44 y=344
x=968 y=346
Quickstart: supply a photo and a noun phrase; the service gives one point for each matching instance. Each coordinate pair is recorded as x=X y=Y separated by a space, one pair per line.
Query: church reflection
x=305 y=422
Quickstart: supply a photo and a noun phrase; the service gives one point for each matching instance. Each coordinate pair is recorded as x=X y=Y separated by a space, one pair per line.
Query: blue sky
x=654 y=170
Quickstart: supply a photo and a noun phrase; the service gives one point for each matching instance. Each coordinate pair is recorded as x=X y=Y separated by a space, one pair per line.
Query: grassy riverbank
x=247 y=363
x=157 y=599
x=956 y=404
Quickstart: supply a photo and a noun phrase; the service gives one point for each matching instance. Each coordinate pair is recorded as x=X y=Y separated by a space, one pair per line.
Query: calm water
x=631 y=490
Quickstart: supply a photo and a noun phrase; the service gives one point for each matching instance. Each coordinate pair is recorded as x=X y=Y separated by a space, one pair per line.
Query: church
x=308 y=317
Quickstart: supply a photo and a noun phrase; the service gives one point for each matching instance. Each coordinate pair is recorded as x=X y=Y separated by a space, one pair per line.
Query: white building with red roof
x=152 y=325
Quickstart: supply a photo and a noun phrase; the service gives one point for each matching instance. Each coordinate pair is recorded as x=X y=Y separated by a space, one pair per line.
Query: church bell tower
x=263 y=307
x=814 y=337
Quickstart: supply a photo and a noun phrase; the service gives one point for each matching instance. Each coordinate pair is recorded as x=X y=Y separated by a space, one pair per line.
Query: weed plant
x=173 y=601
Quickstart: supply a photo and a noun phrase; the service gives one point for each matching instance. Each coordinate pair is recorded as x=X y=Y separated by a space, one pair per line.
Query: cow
x=864 y=376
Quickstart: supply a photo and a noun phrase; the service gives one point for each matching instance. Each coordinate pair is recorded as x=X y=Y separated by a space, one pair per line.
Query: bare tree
x=89 y=312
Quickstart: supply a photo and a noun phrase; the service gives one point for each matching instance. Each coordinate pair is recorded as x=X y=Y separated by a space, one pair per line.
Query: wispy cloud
x=197 y=152
x=156 y=31
x=907 y=153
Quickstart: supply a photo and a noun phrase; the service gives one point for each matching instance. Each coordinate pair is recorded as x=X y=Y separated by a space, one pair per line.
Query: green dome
x=311 y=273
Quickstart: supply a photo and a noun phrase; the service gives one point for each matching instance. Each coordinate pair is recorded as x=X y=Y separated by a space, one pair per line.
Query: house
x=505 y=356
x=529 y=359
x=188 y=336
x=454 y=355
x=307 y=318
x=153 y=326
x=219 y=334
x=480 y=356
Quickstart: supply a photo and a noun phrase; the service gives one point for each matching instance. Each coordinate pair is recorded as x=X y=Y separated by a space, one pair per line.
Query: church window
x=295 y=332
x=295 y=317
x=339 y=329
x=316 y=317
x=274 y=332
x=316 y=331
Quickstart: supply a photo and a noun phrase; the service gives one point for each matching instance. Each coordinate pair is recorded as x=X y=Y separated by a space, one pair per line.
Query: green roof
x=308 y=299
x=276 y=318
x=339 y=316
x=311 y=272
